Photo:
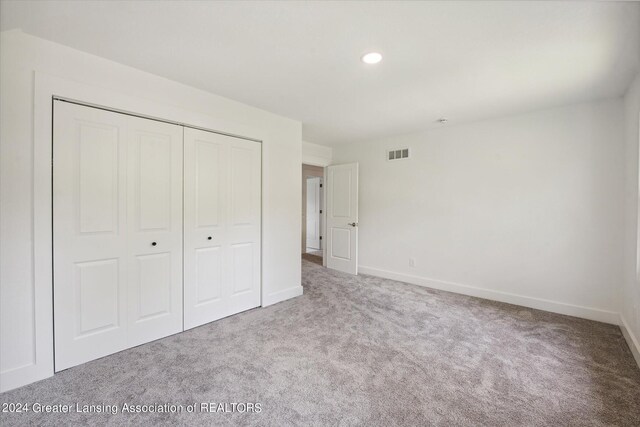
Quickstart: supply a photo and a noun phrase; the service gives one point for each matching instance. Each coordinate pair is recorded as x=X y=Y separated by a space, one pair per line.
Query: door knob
x=353 y=224
x=153 y=243
x=209 y=238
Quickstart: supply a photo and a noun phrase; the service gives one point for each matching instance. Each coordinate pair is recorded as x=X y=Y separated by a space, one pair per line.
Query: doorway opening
x=312 y=245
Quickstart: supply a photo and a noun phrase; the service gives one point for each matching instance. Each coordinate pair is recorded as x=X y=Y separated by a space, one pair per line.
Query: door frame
x=46 y=88
x=351 y=266
x=320 y=214
x=304 y=202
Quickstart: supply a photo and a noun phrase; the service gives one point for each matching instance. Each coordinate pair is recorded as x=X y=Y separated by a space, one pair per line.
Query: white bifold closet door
x=117 y=224
x=222 y=226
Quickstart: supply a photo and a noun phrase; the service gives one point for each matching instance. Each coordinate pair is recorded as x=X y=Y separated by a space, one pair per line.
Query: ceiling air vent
x=398 y=154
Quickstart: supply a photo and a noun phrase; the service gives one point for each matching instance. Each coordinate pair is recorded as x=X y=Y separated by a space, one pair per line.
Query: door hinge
x=320 y=210
x=320 y=237
x=320 y=185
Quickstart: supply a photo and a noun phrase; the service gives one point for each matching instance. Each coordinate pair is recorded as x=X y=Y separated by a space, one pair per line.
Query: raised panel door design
x=208 y=275
x=242 y=185
x=206 y=192
x=117 y=225
x=207 y=182
x=122 y=210
x=154 y=181
x=154 y=286
x=242 y=274
x=341 y=190
x=97 y=307
x=341 y=247
x=222 y=190
x=342 y=218
x=154 y=238
x=243 y=289
x=89 y=241
x=98 y=177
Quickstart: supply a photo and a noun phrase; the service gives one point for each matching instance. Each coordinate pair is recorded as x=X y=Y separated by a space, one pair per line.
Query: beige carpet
x=364 y=351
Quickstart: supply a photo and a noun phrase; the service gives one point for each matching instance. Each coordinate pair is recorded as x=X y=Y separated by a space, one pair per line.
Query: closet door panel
x=205 y=233
x=222 y=226
x=153 y=172
x=153 y=223
x=208 y=181
x=244 y=225
x=153 y=286
x=97 y=293
x=208 y=275
x=154 y=230
x=89 y=234
x=242 y=268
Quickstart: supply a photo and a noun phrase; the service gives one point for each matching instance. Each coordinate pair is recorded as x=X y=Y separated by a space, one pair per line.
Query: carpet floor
x=363 y=351
x=316 y=259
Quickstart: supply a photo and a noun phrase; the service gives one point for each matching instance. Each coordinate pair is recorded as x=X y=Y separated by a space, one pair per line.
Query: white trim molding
x=316 y=155
x=282 y=295
x=525 y=301
x=632 y=340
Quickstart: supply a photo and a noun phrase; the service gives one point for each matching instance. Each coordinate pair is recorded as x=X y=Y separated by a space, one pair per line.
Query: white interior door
x=154 y=230
x=222 y=226
x=342 y=218
x=313 y=213
x=90 y=234
x=116 y=189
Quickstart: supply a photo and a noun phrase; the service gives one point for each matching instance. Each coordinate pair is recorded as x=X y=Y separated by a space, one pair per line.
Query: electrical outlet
x=412 y=262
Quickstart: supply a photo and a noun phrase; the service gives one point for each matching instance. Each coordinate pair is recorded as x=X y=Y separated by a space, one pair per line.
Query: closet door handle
x=209 y=238
x=153 y=243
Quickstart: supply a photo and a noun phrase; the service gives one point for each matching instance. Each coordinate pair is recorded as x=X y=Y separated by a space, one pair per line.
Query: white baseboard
x=22 y=376
x=283 y=295
x=632 y=340
x=531 y=302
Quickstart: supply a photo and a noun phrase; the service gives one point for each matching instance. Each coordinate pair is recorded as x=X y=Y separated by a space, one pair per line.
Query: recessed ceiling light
x=372 y=58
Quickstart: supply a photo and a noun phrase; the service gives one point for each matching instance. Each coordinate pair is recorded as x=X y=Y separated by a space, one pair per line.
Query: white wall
x=526 y=209
x=316 y=154
x=630 y=295
x=23 y=56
